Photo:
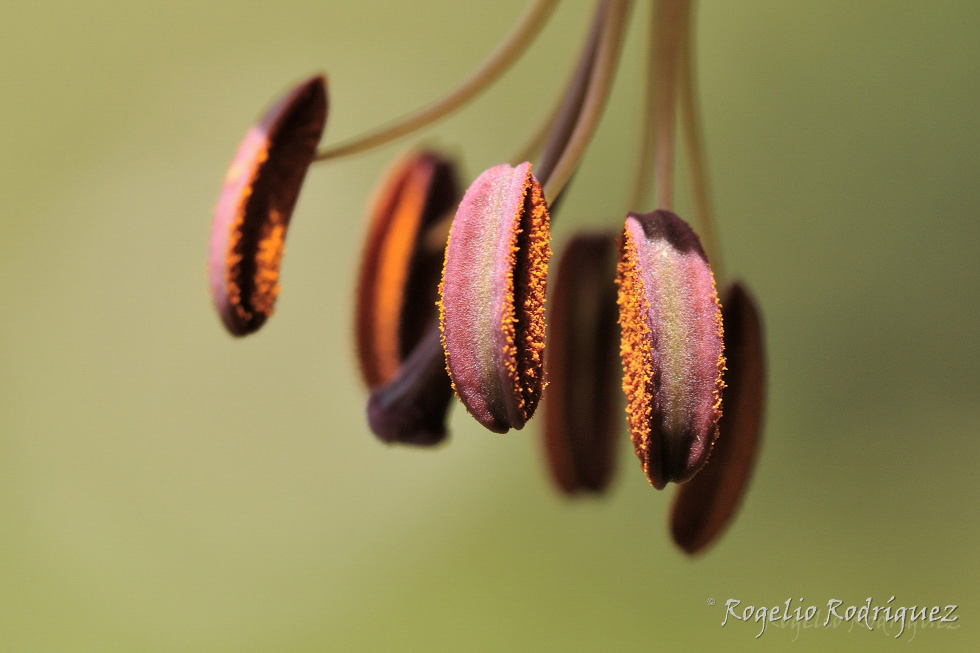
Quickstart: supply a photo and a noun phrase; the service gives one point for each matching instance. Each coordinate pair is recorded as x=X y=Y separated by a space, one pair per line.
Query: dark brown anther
x=704 y=505
x=259 y=193
x=411 y=407
x=398 y=284
x=582 y=401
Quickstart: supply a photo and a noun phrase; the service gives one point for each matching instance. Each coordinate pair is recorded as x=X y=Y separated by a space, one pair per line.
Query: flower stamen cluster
x=452 y=289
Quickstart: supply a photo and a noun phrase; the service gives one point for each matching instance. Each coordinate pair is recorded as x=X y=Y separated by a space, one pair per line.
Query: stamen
x=499 y=61
x=672 y=346
x=582 y=416
x=399 y=276
x=256 y=201
x=493 y=294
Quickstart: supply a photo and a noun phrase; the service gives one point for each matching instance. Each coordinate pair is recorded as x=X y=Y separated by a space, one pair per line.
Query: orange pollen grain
x=268 y=256
x=392 y=275
x=720 y=378
x=441 y=306
x=235 y=255
x=522 y=319
x=635 y=349
x=508 y=324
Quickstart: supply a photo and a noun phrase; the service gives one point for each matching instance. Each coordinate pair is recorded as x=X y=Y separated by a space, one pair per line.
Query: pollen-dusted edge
x=259 y=193
x=452 y=288
x=492 y=297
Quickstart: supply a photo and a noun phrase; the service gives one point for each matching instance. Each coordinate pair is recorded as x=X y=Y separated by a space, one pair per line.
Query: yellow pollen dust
x=524 y=326
x=441 y=305
x=720 y=378
x=635 y=349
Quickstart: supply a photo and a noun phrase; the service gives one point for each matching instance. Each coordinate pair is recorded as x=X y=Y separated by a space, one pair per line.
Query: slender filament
x=559 y=129
x=607 y=56
x=693 y=139
x=669 y=21
x=499 y=60
x=644 y=163
x=539 y=137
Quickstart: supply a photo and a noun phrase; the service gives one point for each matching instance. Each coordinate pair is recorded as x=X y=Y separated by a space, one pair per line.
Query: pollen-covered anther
x=493 y=296
x=398 y=283
x=256 y=201
x=672 y=346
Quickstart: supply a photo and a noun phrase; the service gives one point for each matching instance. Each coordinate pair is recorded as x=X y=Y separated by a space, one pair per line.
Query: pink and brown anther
x=493 y=293
x=452 y=287
x=260 y=191
x=672 y=346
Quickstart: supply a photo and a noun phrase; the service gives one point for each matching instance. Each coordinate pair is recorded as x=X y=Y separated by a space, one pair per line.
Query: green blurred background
x=164 y=487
